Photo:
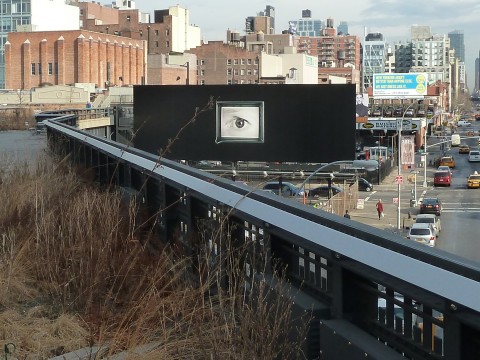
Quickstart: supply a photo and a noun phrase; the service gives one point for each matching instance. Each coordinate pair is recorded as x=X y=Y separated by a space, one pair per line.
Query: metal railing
x=365 y=288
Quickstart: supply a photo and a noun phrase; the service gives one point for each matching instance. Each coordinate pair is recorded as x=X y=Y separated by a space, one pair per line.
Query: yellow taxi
x=463 y=149
x=447 y=161
x=473 y=181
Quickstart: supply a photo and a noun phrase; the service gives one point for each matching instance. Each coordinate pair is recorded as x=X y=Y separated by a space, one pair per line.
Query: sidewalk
x=386 y=191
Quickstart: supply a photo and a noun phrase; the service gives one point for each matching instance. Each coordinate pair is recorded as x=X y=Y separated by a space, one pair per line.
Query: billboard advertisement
x=408 y=150
x=274 y=123
x=361 y=107
x=408 y=85
x=390 y=124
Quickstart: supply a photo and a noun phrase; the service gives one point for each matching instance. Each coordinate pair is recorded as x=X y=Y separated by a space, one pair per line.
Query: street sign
x=360 y=203
x=399 y=179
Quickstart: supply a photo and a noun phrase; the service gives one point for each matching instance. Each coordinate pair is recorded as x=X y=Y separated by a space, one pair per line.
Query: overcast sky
x=392 y=18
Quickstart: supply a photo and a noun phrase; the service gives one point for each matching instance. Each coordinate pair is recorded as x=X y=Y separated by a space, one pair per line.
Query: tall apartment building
x=170 y=31
x=306 y=26
x=457 y=42
x=403 y=57
x=264 y=22
x=430 y=54
x=342 y=28
x=34 y=15
x=374 y=56
x=477 y=74
x=332 y=50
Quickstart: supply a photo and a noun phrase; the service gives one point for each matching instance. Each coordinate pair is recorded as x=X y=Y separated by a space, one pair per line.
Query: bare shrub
x=74 y=266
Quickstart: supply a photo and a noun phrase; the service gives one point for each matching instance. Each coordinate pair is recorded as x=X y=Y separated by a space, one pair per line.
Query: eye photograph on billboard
x=275 y=123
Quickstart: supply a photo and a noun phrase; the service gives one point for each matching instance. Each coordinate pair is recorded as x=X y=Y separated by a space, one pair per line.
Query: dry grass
x=74 y=272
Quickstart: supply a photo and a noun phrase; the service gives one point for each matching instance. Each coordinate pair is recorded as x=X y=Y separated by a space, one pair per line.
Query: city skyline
x=392 y=19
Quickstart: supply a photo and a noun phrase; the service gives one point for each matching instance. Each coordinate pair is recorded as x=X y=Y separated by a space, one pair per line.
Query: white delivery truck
x=455 y=139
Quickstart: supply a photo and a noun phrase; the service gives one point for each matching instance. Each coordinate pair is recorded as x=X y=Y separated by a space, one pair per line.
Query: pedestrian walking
x=379 y=207
x=347 y=215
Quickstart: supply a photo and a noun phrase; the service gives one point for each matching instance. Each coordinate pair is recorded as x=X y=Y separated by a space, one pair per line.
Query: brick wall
x=67 y=57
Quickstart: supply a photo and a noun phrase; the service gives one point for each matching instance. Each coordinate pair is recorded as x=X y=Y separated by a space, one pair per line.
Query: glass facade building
x=13 y=14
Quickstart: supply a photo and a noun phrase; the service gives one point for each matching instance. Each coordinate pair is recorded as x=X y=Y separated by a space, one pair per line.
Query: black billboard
x=284 y=123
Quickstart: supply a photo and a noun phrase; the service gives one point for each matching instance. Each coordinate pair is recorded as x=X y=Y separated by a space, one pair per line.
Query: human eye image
x=239 y=123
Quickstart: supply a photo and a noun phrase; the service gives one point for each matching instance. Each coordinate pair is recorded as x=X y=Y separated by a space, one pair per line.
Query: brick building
x=34 y=59
x=220 y=63
x=170 y=31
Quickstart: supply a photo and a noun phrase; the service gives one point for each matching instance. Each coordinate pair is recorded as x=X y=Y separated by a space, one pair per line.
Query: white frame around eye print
x=239 y=121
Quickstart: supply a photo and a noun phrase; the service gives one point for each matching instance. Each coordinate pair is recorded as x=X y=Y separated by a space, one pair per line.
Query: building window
x=156 y=43
x=243 y=61
x=6 y=9
x=235 y=62
x=167 y=43
x=50 y=68
x=229 y=82
x=255 y=72
x=39 y=69
x=202 y=82
x=229 y=61
x=33 y=68
x=249 y=71
x=202 y=62
x=236 y=71
x=229 y=71
x=167 y=32
x=202 y=72
x=256 y=61
x=156 y=32
x=242 y=72
x=128 y=17
x=249 y=61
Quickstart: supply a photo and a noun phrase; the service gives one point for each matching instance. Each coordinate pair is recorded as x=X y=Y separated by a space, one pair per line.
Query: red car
x=442 y=178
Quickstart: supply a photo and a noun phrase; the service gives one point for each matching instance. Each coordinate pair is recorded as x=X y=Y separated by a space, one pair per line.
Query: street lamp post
x=425 y=156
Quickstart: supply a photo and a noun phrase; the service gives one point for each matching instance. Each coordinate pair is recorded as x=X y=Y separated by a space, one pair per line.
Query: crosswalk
x=448 y=207
x=461 y=207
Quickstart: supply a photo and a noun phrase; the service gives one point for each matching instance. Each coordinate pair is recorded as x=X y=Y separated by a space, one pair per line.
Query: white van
x=455 y=139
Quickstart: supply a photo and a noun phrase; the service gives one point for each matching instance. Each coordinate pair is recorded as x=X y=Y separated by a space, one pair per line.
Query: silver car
x=430 y=219
x=422 y=233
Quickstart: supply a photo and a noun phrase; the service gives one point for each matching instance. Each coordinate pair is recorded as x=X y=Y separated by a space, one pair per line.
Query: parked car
x=422 y=233
x=442 y=178
x=461 y=123
x=398 y=111
x=431 y=206
x=409 y=112
x=473 y=181
x=322 y=191
x=474 y=156
x=421 y=112
x=447 y=161
x=430 y=219
x=463 y=149
x=377 y=112
x=388 y=112
x=445 y=168
x=288 y=189
x=364 y=185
